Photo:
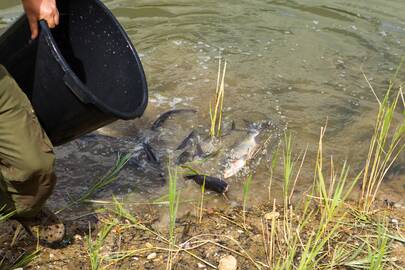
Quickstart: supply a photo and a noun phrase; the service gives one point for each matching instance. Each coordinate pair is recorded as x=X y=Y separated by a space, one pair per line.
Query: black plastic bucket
x=79 y=76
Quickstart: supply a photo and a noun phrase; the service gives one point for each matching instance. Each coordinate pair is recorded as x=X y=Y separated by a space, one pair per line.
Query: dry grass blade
x=216 y=106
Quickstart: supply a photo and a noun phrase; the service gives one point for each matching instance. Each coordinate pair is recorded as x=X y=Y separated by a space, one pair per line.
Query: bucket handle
x=76 y=86
x=69 y=78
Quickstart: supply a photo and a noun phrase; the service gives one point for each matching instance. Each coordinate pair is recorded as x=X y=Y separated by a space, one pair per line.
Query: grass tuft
x=106 y=180
x=174 y=199
x=94 y=246
x=384 y=149
x=246 y=189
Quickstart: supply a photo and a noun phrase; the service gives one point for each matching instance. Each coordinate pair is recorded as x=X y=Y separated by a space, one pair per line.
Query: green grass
x=313 y=241
x=174 y=198
x=24 y=259
x=104 y=181
x=384 y=148
x=5 y=217
x=288 y=169
x=94 y=246
x=246 y=189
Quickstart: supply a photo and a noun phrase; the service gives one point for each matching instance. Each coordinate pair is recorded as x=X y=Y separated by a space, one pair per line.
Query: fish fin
x=233 y=125
x=187 y=140
x=198 y=150
x=150 y=153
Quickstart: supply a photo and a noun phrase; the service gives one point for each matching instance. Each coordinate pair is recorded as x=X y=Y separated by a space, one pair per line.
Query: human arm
x=40 y=10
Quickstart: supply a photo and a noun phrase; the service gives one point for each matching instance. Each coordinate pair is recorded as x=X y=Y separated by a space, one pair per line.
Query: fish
x=188 y=141
x=193 y=147
x=241 y=153
x=184 y=157
x=164 y=116
x=150 y=153
x=211 y=183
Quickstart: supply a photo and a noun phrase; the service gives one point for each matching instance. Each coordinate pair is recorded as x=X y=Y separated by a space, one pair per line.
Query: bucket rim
x=93 y=99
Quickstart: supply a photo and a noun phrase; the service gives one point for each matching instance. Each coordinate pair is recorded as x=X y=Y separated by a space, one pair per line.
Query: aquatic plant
x=216 y=105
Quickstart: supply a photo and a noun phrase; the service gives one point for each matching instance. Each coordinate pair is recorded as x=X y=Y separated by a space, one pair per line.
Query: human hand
x=40 y=10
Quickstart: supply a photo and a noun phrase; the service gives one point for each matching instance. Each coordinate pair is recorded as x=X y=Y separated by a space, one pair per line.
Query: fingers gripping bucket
x=79 y=76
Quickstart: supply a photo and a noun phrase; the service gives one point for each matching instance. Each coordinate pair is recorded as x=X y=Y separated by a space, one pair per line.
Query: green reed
x=110 y=177
x=384 y=149
x=246 y=189
x=94 y=246
x=174 y=199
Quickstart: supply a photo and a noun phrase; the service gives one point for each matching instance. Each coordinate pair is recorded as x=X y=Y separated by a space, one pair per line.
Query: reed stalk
x=216 y=105
x=246 y=189
x=174 y=199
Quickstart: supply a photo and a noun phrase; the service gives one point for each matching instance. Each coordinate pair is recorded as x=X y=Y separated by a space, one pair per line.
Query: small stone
x=78 y=237
x=397 y=205
x=228 y=263
x=51 y=256
x=151 y=256
x=201 y=265
x=271 y=215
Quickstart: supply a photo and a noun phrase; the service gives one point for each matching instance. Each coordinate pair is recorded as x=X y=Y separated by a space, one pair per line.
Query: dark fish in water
x=163 y=117
x=196 y=148
x=187 y=141
x=211 y=183
x=185 y=157
x=150 y=153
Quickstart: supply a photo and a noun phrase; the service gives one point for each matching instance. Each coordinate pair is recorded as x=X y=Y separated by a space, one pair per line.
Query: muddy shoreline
x=140 y=242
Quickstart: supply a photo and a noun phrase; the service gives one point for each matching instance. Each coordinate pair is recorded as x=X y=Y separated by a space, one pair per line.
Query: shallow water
x=296 y=63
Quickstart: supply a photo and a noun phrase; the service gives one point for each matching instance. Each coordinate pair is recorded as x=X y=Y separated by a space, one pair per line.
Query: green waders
x=27 y=175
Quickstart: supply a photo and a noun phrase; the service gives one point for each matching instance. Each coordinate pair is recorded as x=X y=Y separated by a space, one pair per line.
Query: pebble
x=271 y=215
x=395 y=221
x=151 y=256
x=78 y=237
x=397 y=205
x=228 y=263
x=201 y=265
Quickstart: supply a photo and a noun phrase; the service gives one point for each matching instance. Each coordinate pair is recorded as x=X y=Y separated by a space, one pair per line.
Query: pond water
x=297 y=64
